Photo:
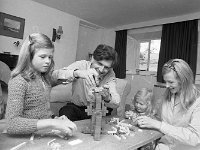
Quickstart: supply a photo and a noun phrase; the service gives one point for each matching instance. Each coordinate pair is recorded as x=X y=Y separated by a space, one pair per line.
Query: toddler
x=142 y=105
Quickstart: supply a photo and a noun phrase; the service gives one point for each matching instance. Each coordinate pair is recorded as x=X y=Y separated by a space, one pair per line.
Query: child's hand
x=65 y=125
x=129 y=114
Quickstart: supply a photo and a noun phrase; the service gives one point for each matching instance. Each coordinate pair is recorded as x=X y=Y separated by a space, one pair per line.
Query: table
x=107 y=142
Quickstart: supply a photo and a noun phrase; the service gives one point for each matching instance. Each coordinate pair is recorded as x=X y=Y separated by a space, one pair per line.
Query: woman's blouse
x=181 y=127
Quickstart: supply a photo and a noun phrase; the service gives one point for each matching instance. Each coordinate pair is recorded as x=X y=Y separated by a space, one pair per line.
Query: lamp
x=57 y=34
x=16 y=43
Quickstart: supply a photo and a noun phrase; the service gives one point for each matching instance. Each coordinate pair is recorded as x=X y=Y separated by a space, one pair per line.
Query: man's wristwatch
x=74 y=75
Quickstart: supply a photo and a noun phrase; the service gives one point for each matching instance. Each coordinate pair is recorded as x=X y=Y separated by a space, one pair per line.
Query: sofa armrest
x=121 y=108
x=123 y=88
x=61 y=93
x=59 y=97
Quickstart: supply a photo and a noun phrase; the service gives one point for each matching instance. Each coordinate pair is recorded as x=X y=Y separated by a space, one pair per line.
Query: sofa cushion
x=123 y=88
x=120 y=86
x=61 y=93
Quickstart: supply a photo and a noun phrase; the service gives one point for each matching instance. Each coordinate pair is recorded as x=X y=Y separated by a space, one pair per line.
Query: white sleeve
x=190 y=134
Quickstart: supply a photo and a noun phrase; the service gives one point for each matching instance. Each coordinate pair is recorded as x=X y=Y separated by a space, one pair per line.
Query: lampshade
x=60 y=31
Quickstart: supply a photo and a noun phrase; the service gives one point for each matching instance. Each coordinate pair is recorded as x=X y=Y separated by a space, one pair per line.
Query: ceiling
x=113 y=13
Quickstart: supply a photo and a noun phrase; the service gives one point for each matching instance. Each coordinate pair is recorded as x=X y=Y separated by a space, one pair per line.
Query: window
x=149 y=54
x=143 y=47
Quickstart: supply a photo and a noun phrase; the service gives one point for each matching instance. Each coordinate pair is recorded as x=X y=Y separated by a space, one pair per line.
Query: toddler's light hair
x=144 y=94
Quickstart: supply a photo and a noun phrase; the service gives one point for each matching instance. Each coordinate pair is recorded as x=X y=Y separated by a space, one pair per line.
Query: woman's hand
x=147 y=122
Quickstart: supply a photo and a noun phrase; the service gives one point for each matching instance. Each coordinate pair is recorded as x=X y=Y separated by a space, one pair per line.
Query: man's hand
x=106 y=94
x=90 y=75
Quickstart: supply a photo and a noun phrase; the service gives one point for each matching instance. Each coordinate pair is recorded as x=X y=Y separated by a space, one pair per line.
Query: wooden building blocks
x=97 y=110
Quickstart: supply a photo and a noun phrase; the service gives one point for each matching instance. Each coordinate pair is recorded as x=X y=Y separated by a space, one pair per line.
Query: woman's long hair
x=28 y=49
x=188 y=91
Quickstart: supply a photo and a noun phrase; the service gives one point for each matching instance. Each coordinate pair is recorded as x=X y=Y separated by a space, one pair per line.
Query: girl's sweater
x=27 y=102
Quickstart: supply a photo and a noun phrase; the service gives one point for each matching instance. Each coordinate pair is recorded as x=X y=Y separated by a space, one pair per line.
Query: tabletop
x=78 y=140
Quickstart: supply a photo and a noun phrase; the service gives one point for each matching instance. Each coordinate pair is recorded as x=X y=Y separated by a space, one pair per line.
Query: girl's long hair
x=28 y=49
x=188 y=91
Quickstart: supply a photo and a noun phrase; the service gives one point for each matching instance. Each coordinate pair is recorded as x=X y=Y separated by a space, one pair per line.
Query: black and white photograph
x=11 y=26
x=99 y=74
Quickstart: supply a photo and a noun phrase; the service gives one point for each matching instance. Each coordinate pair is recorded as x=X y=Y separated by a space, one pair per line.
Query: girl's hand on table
x=65 y=125
x=147 y=122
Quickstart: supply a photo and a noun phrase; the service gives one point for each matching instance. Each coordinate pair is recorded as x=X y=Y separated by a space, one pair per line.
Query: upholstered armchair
x=4 y=78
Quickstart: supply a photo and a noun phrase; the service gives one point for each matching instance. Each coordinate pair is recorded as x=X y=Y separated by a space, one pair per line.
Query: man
x=86 y=74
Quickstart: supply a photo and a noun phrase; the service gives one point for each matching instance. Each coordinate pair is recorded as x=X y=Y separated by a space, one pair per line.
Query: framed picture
x=11 y=26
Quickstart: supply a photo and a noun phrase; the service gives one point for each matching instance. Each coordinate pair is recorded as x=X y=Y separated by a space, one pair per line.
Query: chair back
x=123 y=88
x=5 y=73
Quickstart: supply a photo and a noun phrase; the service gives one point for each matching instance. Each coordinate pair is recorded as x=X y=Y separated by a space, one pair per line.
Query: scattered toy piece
x=32 y=137
x=132 y=134
x=18 y=146
x=140 y=130
x=75 y=142
x=123 y=136
x=50 y=142
x=117 y=137
x=86 y=130
x=53 y=145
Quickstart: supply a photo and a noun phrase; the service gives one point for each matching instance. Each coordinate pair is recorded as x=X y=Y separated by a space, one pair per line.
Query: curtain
x=179 y=40
x=120 y=47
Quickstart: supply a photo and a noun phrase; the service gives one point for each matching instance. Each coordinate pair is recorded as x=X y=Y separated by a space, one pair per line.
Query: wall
x=90 y=37
x=87 y=41
x=132 y=61
x=106 y=36
x=40 y=18
x=138 y=82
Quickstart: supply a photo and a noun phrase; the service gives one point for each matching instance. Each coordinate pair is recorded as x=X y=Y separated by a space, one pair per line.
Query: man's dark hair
x=105 y=52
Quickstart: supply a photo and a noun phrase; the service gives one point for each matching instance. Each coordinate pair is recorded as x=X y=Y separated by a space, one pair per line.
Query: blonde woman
x=180 y=109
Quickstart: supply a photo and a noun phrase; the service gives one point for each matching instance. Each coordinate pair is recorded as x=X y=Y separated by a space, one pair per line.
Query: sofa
x=61 y=95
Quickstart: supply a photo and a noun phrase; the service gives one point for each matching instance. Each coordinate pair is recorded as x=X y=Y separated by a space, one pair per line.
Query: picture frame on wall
x=11 y=26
